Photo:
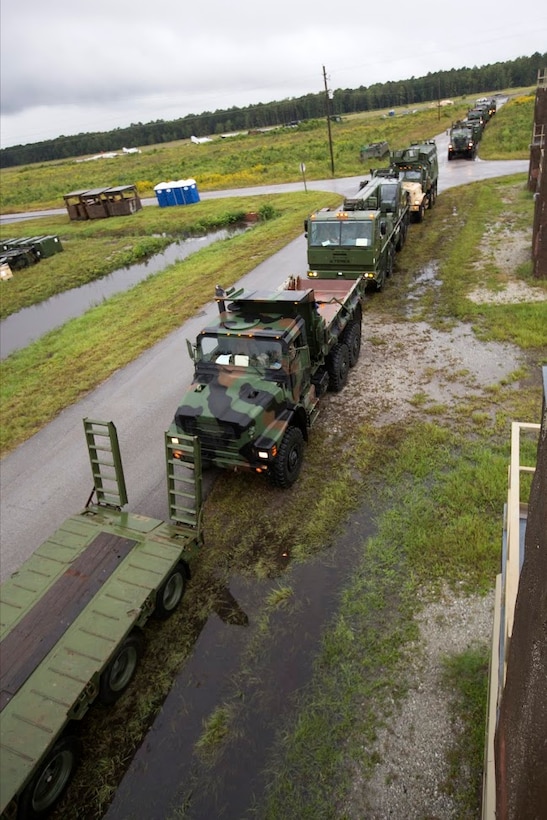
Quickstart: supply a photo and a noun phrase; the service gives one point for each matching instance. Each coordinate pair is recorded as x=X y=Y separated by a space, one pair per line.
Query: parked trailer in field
x=260 y=370
x=72 y=618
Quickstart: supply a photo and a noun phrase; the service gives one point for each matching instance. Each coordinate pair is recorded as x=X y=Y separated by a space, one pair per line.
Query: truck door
x=299 y=367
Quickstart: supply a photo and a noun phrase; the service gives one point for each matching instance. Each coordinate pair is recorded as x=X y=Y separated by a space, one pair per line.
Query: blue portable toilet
x=178 y=190
x=192 y=190
x=160 y=194
x=170 y=197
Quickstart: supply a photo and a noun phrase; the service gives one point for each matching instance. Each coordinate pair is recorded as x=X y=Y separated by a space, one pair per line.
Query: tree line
x=456 y=82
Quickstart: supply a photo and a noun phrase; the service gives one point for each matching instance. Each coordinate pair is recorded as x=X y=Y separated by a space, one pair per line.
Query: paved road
x=48 y=477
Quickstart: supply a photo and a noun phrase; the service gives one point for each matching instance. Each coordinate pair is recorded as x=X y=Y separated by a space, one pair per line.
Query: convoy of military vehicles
x=72 y=616
x=465 y=135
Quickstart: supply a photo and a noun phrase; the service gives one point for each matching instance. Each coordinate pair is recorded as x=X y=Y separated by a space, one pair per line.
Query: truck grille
x=215 y=436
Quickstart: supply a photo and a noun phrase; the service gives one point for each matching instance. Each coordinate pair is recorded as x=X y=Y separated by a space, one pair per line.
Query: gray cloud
x=69 y=67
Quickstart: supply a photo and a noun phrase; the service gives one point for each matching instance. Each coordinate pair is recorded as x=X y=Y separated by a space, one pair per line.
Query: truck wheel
x=432 y=197
x=171 y=592
x=420 y=214
x=338 y=367
x=120 y=669
x=288 y=463
x=352 y=338
x=51 y=779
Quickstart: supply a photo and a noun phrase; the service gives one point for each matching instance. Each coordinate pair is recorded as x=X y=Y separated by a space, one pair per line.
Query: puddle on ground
x=166 y=778
x=29 y=324
x=428 y=277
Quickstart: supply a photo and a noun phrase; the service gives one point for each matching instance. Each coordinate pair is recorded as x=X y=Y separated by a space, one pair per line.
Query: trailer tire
x=287 y=465
x=352 y=338
x=171 y=592
x=51 y=779
x=338 y=367
x=121 y=668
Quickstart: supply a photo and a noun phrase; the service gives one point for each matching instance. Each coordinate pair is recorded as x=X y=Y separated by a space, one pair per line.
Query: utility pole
x=327 y=105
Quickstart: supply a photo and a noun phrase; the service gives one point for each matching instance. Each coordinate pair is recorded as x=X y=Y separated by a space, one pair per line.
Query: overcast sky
x=72 y=66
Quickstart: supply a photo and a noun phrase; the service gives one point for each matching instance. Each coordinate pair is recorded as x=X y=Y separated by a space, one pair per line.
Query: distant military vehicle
x=461 y=141
x=418 y=168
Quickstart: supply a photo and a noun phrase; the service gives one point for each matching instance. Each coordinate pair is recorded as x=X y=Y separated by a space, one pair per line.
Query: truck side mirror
x=191 y=350
x=383 y=228
x=305 y=227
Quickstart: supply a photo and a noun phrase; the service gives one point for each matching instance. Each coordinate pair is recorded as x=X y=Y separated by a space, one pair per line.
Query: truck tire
x=287 y=465
x=338 y=367
x=121 y=668
x=420 y=214
x=432 y=197
x=51 y=779
x=352 y=338
x=171 y=592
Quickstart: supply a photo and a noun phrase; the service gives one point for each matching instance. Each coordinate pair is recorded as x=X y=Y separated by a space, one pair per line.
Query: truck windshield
x=411 y=175
x=356 y=233
x=388 y=197
x=324 y=233
x=240 y=351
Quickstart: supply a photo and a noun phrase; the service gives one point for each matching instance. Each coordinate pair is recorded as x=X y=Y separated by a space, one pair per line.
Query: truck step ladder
x=106 y=463
x=184 y=482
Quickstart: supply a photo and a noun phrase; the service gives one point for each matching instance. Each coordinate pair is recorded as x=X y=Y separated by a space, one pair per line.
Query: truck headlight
x=266 y=455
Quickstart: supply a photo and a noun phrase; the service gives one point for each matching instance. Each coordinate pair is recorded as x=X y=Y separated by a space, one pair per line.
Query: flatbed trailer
x=72 y=617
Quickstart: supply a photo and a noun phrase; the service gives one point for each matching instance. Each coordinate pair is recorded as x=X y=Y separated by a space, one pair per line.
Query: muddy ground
x=431 y=368
x=406 y=371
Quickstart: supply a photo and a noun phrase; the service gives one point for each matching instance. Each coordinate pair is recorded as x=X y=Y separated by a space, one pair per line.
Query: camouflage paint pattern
x=260 y=368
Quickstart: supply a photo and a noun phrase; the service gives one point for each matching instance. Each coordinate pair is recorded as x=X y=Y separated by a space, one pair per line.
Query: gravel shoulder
x=430 y=368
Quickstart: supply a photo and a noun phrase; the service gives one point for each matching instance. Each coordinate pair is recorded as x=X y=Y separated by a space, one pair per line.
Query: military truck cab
x=362 y=237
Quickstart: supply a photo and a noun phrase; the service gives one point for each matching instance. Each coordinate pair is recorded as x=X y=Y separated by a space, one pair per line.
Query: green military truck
x=476 y=116
x=261 y=368
x=72 y=618
x=362 y=237
x=461 y=142
x=418 y=169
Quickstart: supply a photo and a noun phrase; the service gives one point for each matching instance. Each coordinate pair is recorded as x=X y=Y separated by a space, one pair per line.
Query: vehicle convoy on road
x=361 y=238
x=418 y=168
x=260 y=370
x=461 y=141
x=72 y=618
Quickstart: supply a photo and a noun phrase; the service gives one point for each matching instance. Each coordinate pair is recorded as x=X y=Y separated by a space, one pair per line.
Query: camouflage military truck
x=261 y=368
x=72 y=618
x=418 y=169
x=361 y=238
x=461 y=142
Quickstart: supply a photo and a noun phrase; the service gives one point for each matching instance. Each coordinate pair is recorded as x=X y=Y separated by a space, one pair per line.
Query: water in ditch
x=29 y=324
x=166 y=778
